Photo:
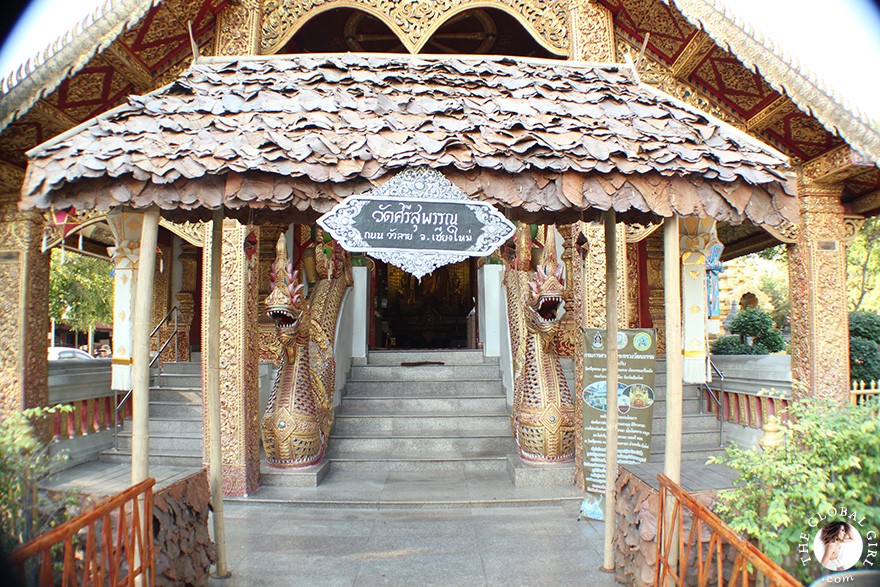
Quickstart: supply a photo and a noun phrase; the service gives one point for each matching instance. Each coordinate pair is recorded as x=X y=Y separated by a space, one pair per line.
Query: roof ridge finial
x=192 y=41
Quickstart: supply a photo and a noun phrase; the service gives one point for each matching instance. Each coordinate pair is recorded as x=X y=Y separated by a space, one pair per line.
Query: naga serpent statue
x=299 y=413
x=543 y=410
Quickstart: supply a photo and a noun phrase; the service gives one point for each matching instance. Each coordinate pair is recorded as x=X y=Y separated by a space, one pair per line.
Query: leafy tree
x=755 y=325
x=865 y=325
x=831 y=458
x=863 y=268
x=24 y=461
x=80 y=290
x=776 y=288
x=864 y=359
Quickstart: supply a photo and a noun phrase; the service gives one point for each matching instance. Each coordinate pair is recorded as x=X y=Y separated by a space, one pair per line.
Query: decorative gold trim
x=639 y=232
x=191 y=232
x=836 y=165
x=787 y=232
x=692 y=55
x=414 y=22
x=770 y=114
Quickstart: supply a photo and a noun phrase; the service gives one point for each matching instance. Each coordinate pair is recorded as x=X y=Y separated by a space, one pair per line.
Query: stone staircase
x=175 y=419
x=423 y=410
x=700 y=433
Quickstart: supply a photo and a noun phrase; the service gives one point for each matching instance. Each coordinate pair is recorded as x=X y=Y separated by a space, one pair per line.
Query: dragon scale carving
x=299 y=413
x=543 y=409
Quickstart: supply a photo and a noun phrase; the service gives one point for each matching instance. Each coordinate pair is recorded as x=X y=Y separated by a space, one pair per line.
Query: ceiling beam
x=771 y=113
x=867 y=205
x=835 y=165
x=126 y=64
x=692 y=55
x=53 y=120
x=11 y=177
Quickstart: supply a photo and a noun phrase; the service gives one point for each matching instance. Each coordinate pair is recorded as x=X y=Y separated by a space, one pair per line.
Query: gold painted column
x=24 y=310
x=594 y=276
x=126 y=228
x=239 y=28
x=239 y=353
x=817 y=288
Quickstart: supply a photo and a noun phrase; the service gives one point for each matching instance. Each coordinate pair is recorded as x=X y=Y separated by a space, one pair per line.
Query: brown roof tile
x=271 y=133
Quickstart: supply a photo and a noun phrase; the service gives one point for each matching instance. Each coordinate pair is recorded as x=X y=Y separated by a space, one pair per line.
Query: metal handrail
x=174 y=311
x=716 y=399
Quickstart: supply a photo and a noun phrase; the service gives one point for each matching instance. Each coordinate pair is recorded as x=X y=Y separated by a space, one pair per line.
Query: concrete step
x=179 y=395
x=423 y=445
x=690 y=423
x=173 y=425
x=690 y=441
x=424 y=373
x=190 y=381
x=689 y=405
x=387 y=424
x=422 y=405
x=181 y=368
x=468 y=387
x=169 y=458
x=170 y=409
x=448 y=357
x=371 y=461
x=164 y=441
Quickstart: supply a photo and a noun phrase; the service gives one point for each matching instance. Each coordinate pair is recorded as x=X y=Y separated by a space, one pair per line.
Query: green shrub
x=865 y=325
x=730 y=345
x=831 y=458
x=864 y=359
x=24 y=461
x=752 y=322
x=772 y=341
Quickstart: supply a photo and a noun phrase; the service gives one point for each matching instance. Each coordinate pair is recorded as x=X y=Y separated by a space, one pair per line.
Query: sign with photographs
x=637 y=350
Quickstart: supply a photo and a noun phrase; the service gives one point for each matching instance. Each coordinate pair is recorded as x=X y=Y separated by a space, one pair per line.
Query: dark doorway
x=438 y=312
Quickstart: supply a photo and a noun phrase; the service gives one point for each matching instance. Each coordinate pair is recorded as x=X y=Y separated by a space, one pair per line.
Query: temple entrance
x=436 y=312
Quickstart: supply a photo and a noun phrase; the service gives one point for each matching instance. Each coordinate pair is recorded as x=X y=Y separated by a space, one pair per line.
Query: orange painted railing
x=706 y=557
x=87 y=416
x=111 y=543
x=862 y=391
x=748 y=409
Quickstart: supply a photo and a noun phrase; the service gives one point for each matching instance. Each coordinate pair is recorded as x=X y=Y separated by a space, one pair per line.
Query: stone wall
x=184 y=550
x=635 y=539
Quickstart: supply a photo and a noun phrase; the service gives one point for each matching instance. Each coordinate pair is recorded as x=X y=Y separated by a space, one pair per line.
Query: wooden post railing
x=703 y=559
x=110 y=543
x=862 y=391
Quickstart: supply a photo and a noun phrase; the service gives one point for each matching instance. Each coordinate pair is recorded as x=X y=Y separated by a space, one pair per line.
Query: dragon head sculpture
x=545 y=304
x=285 y=305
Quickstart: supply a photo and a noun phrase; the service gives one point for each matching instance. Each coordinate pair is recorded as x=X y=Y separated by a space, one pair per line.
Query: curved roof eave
x=803 y=88
x=44 y=72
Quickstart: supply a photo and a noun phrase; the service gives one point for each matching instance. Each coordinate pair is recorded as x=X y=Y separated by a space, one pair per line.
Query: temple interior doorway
x=436 y=312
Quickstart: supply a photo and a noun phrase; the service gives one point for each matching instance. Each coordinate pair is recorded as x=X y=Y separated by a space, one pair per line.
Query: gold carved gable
x=415 y=21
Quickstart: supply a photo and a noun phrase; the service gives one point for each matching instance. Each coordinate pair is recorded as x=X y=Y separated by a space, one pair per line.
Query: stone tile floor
x=280 y=544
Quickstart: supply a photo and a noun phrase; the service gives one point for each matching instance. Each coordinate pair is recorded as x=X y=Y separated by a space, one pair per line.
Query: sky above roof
x=841 y=44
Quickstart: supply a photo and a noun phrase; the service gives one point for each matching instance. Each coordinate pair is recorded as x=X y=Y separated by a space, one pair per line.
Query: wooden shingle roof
x=552 y=140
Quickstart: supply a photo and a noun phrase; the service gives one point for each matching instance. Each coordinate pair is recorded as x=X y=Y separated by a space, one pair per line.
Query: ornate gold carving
x=120 y=58
x=24 y=287
x=786 y=232
x=239 y=375
x=639 y=232
x=415 y=21
x=543 y=409
x=851 y=227
x=835 y=165
x=591 y=32
x=299 y=413
x=11 y=176
x=191 y=232
x=817 y=276
x=656 y=74
x=239 y=28
x=594 y=276
x=692 y=54
x=161 y=290
x=633 y=301
x=770 y=114
x=656 y=295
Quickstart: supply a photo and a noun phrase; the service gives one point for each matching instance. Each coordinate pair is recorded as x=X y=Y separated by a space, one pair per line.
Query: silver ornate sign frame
x=417 y=185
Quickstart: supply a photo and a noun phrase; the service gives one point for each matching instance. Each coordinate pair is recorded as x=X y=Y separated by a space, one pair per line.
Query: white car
x=62 y=352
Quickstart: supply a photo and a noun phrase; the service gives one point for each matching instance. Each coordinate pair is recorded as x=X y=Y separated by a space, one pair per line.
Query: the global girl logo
x=837 y=540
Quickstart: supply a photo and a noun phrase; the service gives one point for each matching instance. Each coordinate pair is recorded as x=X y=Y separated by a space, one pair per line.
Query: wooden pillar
x=697 y=239
x=215 y=471
x=672 y=296
x=126 y=229
x=611 y=385
x=817 y=286
x=24 y=307
x=140 y=379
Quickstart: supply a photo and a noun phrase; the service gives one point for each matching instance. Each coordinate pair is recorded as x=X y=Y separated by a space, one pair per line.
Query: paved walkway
x=291 y=545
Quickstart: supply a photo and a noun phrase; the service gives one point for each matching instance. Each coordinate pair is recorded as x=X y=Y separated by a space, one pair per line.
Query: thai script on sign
x=412 y=214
